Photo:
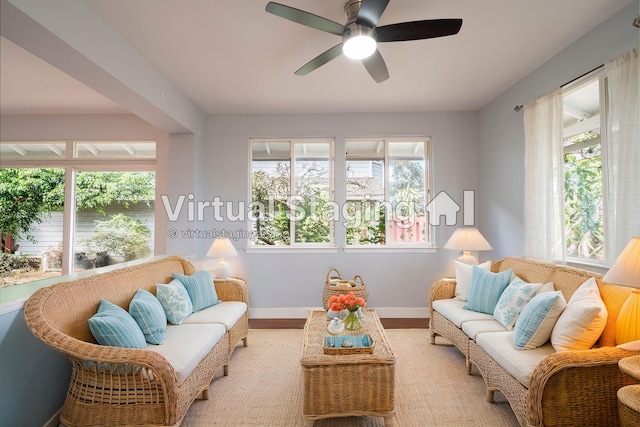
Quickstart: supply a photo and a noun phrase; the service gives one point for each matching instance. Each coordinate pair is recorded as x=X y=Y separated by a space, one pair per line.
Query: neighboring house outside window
x=387 y=188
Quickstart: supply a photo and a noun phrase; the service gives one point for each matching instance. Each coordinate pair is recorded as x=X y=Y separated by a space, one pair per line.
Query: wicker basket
x=336 y=285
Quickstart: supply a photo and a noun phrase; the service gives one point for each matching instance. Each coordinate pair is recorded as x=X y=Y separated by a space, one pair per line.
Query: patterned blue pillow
x=113 y=326
x=513 y=300
x=485 y=289
x=149 y=315
x=200 y=288
x=175 y=301
x=535 y=323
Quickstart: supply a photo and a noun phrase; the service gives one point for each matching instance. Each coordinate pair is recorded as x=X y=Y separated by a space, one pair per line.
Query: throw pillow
x=582 y=321
x=536 y=321
x=200 y=288
x=149 y=315
x=175 y=301
x=485 y=289
x=463 y=278
x=630 y=346
x=513 y=300
x=113 y=326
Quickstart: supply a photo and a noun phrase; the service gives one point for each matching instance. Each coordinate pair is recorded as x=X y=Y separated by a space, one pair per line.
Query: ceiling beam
x=73 y=37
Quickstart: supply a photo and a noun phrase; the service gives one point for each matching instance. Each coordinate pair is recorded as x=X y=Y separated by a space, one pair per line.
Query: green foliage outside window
x=584 y=202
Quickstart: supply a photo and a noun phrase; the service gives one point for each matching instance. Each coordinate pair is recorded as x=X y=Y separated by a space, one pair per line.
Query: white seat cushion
x=474 y=327
x=519 y=363
x=185 y=346
x=226 y=313
x=453 y=311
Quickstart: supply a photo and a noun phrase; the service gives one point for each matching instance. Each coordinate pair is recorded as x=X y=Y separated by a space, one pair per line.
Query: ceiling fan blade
x=376 y=67
x=305 y=18
x=418 y=30
x=370 y=12
x=320 y=60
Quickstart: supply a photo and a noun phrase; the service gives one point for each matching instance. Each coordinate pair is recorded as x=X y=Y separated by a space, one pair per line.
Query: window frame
x=73 y=164
x=427 y=244
x=600 y=75
x=293 y=246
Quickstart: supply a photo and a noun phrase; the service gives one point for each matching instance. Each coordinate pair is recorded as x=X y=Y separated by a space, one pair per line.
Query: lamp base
x=467 y=258
x=221 y=271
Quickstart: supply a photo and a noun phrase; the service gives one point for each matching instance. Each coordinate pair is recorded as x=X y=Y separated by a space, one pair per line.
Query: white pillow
x=463 y=278
x=630 y=346
x=582 y=321
x=535 y=323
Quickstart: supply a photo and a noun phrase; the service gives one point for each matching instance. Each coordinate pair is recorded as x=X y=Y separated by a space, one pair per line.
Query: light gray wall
x=501 y=130
x=296 y=280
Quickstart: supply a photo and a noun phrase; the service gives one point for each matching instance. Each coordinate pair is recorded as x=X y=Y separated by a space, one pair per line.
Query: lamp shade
x=626 y=270
x=222 y=248
x=467 y=239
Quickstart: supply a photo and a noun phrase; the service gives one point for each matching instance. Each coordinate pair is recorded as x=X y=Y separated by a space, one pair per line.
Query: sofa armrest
x=442 y=289
x=232 y=290
x=567 y=388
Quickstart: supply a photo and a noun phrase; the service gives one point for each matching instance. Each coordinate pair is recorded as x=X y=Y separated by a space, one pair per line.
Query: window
x=292 y=192
x=584 y=193
x=111 y=184
x=387 y=186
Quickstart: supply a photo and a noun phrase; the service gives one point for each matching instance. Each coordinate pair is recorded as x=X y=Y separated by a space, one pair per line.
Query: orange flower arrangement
x=349 y=301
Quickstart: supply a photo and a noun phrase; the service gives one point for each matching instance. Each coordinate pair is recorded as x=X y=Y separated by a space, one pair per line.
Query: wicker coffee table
x=347 y=385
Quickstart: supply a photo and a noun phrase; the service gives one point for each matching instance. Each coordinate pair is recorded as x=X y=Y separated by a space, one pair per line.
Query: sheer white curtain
x=544 y=182
x=623 y=153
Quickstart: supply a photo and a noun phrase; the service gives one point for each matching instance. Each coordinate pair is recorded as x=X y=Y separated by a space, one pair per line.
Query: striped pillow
x=535 y=323
x=113 y=326
x=485 y=289
x=200 y=288
x=149 y=315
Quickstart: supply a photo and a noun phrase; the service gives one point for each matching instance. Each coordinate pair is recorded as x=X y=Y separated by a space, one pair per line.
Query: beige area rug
x=264 y=384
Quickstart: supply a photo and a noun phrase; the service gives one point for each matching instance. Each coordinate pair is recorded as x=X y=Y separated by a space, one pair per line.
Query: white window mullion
x=69 y=214
x=292 y=180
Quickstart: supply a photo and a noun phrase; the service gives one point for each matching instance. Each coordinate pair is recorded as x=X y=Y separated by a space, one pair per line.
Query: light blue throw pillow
x=200 y=288
x=175 y=301
x=535 y=323
x=149 y=315
x=485 y=289
x=513 y=300
x=113 y=326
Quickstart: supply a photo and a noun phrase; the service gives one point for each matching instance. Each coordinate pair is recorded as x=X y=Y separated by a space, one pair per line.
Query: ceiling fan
x=360 y=34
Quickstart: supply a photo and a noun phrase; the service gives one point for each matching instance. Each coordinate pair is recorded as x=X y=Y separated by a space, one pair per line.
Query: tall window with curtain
x=582 y=158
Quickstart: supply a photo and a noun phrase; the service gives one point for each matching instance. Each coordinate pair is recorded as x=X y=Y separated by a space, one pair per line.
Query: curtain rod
x=519 y=107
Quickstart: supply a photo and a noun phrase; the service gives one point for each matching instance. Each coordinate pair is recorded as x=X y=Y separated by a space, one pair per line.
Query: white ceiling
x=233 y=57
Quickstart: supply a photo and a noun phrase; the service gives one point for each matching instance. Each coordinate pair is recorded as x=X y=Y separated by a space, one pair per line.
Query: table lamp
x=467 y=240
x=221 y=248
x=626 y=272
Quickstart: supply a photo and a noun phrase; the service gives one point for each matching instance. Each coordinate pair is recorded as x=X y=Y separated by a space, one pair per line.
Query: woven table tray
x=360 y=344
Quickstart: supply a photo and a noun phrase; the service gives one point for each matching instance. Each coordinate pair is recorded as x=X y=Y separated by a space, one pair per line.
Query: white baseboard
x=301 y=312
x=54 y=421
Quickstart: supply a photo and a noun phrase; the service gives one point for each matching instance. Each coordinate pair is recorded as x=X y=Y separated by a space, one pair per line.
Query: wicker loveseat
x=567 y=388
x=112 y=386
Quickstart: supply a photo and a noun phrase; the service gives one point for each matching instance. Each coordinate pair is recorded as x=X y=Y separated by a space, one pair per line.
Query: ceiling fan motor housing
x=351 y=9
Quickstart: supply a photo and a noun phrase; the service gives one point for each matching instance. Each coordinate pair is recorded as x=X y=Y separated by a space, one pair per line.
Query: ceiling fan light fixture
x=358 y=42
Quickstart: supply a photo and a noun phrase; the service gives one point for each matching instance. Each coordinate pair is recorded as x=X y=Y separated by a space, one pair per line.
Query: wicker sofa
x=567 y=388
x=122 y=386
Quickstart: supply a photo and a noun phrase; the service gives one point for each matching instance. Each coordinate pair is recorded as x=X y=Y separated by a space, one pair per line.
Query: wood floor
x=388 y=323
